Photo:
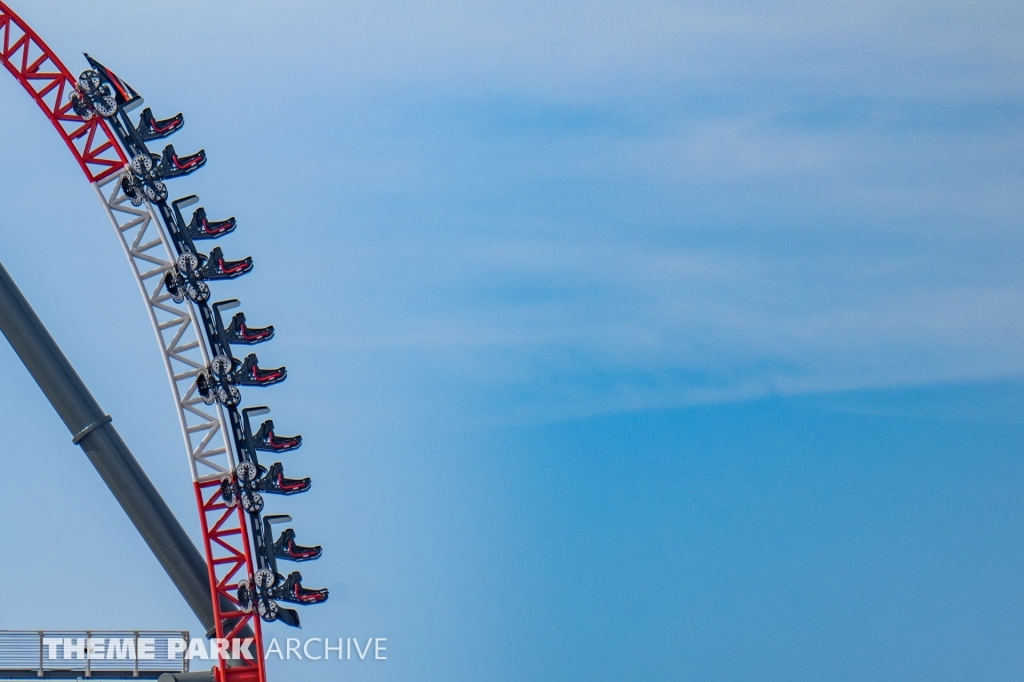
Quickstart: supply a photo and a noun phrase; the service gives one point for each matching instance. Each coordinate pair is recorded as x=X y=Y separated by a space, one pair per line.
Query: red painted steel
x=50 y=84
x=226 y=538
x=229 y=560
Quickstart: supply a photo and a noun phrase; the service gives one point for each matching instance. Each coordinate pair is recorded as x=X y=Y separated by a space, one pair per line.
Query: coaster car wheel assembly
x=91 y=115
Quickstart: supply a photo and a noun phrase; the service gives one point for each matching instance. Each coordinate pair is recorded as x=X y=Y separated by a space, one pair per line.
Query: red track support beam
x=50 y=84
x=229 y=560
x=226 y=538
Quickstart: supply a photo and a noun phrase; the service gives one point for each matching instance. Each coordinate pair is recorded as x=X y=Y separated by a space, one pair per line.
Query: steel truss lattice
x=204 y=428
x=177 y=330
x=50 y=84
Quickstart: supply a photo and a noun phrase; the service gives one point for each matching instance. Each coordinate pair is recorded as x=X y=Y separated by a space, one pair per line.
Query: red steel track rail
x=95 y=148
x=229 y=560
x=50 y=84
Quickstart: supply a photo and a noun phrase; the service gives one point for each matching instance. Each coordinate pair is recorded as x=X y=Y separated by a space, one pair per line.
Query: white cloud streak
x=591 y=205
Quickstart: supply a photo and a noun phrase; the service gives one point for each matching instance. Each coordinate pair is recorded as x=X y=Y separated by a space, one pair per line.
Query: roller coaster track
x=194 y=341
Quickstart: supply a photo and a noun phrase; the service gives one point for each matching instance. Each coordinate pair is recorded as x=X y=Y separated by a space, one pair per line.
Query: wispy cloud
x=578 y=206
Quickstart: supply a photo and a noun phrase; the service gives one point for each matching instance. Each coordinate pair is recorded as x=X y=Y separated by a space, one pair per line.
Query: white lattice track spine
x=177 y=328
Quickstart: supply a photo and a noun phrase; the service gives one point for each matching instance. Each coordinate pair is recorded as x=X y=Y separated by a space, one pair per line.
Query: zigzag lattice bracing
x=216 y=438
x=39 y=71
x=204 y=427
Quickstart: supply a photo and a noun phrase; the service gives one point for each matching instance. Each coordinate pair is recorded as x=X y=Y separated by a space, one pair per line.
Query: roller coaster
x=197 y=340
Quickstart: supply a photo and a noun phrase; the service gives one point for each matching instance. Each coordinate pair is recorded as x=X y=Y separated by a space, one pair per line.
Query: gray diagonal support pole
x=91 y=429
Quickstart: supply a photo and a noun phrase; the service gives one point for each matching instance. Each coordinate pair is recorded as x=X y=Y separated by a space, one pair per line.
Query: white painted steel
x=178 y=330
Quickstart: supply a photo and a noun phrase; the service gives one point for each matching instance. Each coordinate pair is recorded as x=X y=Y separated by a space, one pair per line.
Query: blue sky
x=648 y=341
